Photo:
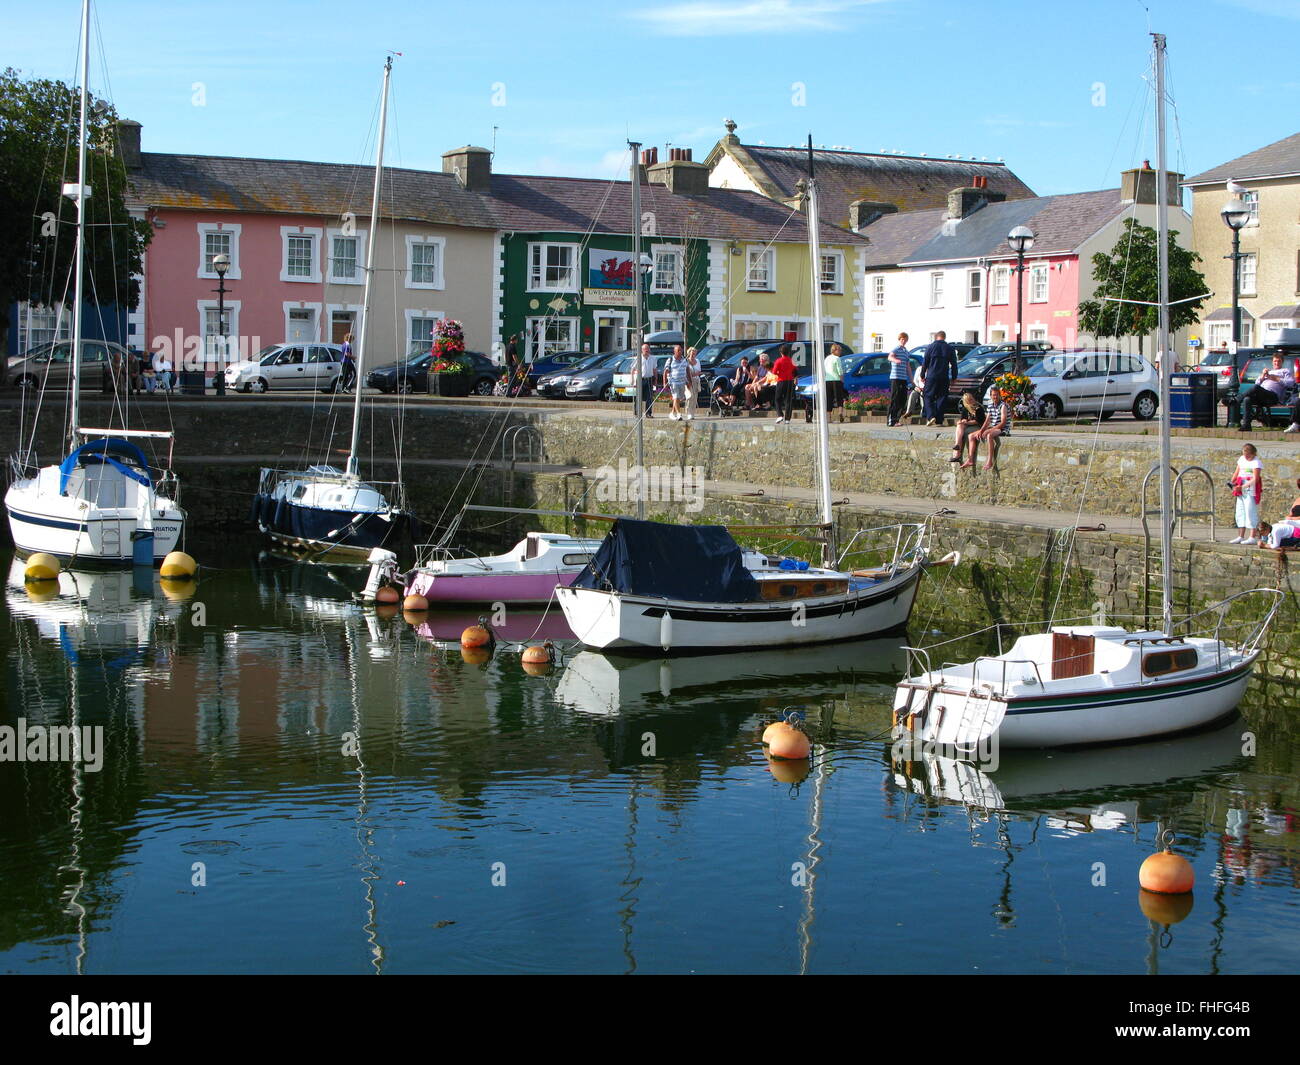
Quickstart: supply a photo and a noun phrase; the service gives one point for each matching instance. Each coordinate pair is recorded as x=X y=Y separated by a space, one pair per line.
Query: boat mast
x=638 y=327
x=819 y=367
x=371 y=241
x=79 y=192
x=1162 y=339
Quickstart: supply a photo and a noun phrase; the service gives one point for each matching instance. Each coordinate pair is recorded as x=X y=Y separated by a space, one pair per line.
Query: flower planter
x=453 y=385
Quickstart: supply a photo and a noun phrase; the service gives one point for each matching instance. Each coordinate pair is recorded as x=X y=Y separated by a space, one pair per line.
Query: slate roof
x=1061 y=224
x=1281 y=158
x=513 y=203
x=1282 y=310
x=1224 y=314
x=911 y=183
x=286 y=186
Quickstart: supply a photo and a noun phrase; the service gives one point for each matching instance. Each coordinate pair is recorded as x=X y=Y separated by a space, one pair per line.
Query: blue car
x=862 y=371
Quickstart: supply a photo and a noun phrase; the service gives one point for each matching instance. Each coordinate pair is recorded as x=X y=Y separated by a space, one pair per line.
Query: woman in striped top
x=996 y=423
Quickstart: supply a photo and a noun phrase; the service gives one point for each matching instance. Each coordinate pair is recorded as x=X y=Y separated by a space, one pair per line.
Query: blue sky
x=1055 y=89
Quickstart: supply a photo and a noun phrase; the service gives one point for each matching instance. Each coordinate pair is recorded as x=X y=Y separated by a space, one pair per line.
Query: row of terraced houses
x=908 y=243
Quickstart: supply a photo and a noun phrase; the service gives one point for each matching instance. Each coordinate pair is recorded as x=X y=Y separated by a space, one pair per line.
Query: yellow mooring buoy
x=178 y=565
x=41 y=567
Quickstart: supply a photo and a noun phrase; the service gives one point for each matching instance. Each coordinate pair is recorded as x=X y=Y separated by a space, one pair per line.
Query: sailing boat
x=676 y=587
x=103 y=503
x=1075 y=685
x=323 y=509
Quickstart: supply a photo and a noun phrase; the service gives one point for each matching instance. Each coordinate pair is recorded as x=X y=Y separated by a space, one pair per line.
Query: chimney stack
x=863 y=212
x=128 y=143
x=680 y=173
x=472 y=167
x=964 y=202
x=1139 y=186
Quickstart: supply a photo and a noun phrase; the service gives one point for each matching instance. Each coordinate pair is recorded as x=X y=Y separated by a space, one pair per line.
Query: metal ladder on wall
x=1176 y=520
x=527 y=438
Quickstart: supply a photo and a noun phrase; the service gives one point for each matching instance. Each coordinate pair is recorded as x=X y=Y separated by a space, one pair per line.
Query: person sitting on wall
x=744 y=378
x=759 y=381
x=162 y=366
x=970 y=417
x=1284 y=536
x=997 y=423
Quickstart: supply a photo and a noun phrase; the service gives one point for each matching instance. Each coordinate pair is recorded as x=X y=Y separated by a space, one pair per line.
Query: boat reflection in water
x=600 y=683
x=444 y=627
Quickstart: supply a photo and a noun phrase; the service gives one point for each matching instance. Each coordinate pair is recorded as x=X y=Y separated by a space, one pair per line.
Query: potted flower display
x=1018 y=391
x=866 y=401
x=449 y=372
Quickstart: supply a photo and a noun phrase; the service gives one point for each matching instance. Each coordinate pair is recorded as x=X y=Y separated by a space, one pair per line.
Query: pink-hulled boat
x=527 y=573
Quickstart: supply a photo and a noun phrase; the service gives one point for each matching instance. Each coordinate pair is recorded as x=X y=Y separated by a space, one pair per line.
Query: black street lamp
x=221 y=264
x=1235 y=215
x=1021 y=240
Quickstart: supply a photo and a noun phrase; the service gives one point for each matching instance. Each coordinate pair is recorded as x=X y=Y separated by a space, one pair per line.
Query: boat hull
x=343 y=534
x=619 y=621
x=59 y=526
x=535 y=588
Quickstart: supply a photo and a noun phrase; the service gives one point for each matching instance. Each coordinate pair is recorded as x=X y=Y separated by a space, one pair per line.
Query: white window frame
x=1038 y=273
x=768 y=284
x=316 y=234
x=1218 y=334
x=657 y=318
x=878 y=292
x=331 y=234
x=877 y=343
x=1037 y=331
x=410 y=315
x=574 y=330
x=62 y=324
x=974 y=288
x=1251 y=199
x=439 y=281
x=233 y=230
x=537 y=280
x=775 y=326
x=1000 y=286
x=1252 y=258
x=232 y=334
x=296 y=305
x=936 y=289
x=675 y=289
x=835 y=286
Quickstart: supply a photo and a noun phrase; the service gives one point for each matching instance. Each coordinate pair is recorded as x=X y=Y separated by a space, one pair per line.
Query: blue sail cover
x=104 y=451
x=697 y=563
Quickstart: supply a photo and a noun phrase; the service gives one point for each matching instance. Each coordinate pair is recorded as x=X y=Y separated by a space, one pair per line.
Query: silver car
x=288 y=366
x=1094 y=382
x=51 y=364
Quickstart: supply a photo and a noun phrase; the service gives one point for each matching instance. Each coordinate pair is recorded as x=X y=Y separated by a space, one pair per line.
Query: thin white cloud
x=1280 y=8
x=715 y=18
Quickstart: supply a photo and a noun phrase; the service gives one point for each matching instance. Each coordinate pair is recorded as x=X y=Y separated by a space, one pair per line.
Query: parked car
x=624 y=380
x=979 y=370
x=554 y=363
x=1218 y=363
x=413 y=374
x=50 y=365
x=861 y=371
x=1095 y=382
x=282 y=366
x=597 y=382
x=551 y=385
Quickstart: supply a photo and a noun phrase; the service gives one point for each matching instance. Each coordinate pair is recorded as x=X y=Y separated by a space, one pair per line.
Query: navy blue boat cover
x=698 y=563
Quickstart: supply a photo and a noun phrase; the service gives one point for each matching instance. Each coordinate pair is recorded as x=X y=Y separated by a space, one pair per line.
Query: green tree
x=38 y=154
x=1129 y=271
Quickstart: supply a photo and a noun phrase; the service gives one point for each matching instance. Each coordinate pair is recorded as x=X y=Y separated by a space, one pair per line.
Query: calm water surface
x=293 y=784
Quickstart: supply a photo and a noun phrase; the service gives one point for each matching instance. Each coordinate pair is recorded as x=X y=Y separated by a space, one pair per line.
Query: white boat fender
x=666 y=631
x=952 y=558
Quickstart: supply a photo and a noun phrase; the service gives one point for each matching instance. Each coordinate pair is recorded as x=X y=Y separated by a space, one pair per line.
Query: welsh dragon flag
x=609 y=269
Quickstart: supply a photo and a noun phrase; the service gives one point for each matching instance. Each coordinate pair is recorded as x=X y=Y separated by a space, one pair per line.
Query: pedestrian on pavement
x=679 y=377
x=1248 y=488
x=834 y=384
x=937 y=369
x=349 y=370
x=899 y=376
x=647 y=368
x=693 y=385
x=512 y=354
x=1271 y=390
x=783 y=368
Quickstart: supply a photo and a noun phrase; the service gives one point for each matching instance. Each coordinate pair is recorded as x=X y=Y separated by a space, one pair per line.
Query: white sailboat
x=1076 y=685
x=645 y=589
x=103 y=503
x=322 y=509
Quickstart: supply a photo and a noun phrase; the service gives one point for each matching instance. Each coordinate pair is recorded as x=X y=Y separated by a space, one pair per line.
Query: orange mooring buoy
x=788 y=772
x=1166 y=873
x=1164 y=909
x=786 y=741
x=476 y=656
x=477 y=636
x=770 y=731
x=537 y=654
x=415 y=603
x=387 y=594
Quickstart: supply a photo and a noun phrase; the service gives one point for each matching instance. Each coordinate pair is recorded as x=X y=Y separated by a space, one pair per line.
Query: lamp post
x=221 y=264
x=1235 y=215
x=1021 y=240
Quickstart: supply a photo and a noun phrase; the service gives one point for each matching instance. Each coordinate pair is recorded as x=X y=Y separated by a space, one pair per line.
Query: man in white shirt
x=647 y=379
x=163 y=369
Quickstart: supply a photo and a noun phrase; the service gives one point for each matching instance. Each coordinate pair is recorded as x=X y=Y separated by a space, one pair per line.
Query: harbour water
x=292 y=783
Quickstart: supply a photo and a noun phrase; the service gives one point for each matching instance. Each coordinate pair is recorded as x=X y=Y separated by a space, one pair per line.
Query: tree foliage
x=1129 y=271
x=38 y=154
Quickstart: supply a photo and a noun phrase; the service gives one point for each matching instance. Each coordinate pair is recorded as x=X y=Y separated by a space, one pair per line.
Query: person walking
x=899 y=379
x=512 y=354
x=783 y=369
x=348 y=372
x=647 y=361
x=679 y=376
x=693 y=385
x=834 y=384
x=938 y=368
x=1248 y=489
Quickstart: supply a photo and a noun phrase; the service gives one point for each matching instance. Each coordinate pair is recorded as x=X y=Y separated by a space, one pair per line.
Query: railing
x=1221 y=608
x=906 y=549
